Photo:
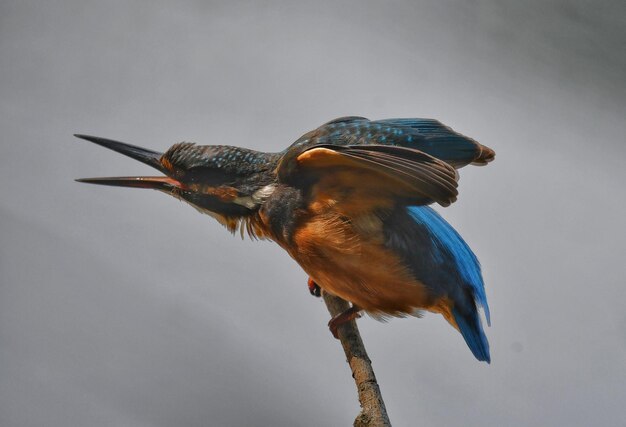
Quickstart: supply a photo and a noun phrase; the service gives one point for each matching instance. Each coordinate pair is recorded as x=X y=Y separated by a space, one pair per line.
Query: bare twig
x=373 y=412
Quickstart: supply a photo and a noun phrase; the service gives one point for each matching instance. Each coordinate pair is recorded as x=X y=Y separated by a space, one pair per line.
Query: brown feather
x=407 y=173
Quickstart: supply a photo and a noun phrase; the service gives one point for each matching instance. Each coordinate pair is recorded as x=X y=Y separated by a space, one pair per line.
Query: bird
x=350 y=202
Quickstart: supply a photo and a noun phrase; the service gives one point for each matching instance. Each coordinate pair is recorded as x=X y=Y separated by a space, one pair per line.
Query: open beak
x=149 y=157
x=152 y=182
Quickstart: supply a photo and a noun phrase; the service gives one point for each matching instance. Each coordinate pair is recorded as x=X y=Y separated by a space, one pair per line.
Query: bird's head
x=228 y=183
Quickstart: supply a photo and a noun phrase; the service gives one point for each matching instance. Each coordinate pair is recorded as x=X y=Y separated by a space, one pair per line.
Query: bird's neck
x=250 y=220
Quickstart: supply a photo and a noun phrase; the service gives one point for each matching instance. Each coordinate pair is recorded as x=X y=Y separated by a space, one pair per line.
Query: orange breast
x=339 y=241
x=347 y=258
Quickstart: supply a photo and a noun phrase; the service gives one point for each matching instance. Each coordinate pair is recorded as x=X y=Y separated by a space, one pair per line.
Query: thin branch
x=373 y=412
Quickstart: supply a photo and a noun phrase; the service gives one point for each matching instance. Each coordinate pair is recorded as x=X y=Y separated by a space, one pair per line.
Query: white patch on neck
x=257 y=198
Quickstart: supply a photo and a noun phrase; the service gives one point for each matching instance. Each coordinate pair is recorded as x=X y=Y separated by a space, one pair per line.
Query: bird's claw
x=344 y=317
x=314 y=288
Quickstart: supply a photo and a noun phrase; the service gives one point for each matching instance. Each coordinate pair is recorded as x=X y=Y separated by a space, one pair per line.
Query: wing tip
x=485 y=155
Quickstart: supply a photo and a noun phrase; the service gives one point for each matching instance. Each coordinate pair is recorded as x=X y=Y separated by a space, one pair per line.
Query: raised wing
x=426 y=135
x=372 y=174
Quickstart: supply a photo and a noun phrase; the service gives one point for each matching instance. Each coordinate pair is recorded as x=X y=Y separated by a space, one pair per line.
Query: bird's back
x=427 y=135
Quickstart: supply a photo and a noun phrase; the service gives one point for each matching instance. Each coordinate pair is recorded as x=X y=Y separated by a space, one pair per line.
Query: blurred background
x=121 y=307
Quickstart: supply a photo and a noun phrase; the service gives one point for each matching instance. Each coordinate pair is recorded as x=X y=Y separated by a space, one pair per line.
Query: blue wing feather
x=439 y=258
x=447 y=243
x=434 y=138
x=427 y=135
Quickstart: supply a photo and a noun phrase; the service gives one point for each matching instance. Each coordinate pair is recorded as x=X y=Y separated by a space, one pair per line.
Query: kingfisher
x=350 y=203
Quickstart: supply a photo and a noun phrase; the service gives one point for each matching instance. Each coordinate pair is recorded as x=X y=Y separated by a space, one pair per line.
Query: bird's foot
x=314 y=288
x=344 y=317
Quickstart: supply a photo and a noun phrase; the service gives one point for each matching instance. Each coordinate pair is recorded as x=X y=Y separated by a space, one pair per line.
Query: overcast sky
x=122 y=307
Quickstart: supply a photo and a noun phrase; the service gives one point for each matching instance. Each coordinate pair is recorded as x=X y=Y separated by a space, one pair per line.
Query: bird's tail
x=472 y=330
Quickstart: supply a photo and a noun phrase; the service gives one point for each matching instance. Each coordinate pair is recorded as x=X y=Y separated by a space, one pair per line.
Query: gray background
x=127 y=308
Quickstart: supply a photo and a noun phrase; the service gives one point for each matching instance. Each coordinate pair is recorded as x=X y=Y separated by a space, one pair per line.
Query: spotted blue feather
x=427 y=135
